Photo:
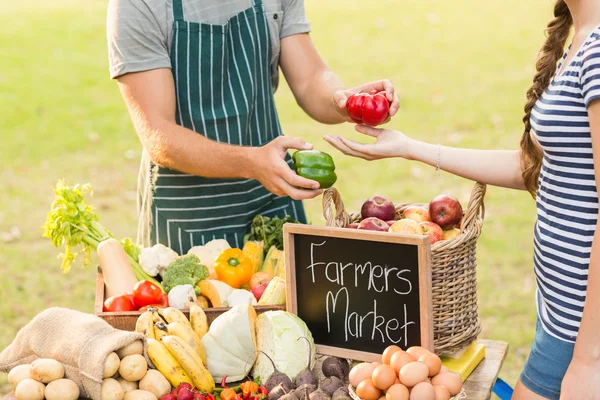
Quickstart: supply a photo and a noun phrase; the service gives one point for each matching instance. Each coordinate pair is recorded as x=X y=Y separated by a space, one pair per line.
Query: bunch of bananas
x=174 y=345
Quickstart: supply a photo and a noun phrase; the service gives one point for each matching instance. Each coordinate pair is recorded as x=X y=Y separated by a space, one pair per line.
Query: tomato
x=123 y=302
x=368 y=108
x=164 y=303
x=146 y=293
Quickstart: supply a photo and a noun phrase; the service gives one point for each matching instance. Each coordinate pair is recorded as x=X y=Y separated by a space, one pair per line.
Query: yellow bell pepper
x=233 y=268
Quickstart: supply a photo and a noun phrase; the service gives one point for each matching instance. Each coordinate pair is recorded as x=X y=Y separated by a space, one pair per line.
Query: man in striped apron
x=198 y=77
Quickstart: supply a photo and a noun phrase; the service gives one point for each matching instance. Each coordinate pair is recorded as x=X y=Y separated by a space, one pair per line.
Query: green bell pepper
x=315 y=165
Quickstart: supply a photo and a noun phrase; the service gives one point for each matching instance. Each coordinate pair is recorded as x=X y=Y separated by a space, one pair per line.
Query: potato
x=46 y=370
x=133 y=367
x=29 y=389
x=136 y=347
x=140 y=395
x=126 y=385
x=18 y=373
x=111 y=365
x=112 y=390
x=156 y=383
x=62 y=389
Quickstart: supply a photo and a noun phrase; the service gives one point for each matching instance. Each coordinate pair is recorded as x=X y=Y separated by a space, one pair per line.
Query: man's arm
x=319 y=91
x=150 y=98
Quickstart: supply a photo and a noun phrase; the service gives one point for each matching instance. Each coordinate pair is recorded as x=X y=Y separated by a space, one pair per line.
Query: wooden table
x=479 y=384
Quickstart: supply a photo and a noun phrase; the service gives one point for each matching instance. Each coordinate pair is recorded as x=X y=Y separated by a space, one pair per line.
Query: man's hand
x=340 y=97
x=275 y=174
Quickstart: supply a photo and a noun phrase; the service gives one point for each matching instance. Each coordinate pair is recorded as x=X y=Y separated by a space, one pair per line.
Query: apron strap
x=257 y=2
x=178 y=10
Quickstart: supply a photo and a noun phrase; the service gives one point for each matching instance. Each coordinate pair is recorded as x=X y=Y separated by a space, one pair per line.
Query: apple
x=433 y=230
x=353 y=225
x=390 y=223
x=378 y=207
x=373 y=224
x=407 y=226
x=450 y=234
x=416 y=213
x=445 y=211
x=258 y=283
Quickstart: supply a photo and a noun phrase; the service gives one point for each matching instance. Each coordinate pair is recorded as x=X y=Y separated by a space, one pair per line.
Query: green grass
x=461 y=67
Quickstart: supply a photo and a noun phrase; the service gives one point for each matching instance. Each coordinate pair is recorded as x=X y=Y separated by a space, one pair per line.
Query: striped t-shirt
x=567 y=200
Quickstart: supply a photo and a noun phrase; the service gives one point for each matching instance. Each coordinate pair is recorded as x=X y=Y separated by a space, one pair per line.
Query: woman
x=556 y=164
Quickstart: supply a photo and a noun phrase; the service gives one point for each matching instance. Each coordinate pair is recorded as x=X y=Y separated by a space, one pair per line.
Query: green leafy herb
x=269 y=230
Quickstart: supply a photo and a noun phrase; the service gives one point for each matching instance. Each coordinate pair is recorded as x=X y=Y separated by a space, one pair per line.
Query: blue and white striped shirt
x=567 y=201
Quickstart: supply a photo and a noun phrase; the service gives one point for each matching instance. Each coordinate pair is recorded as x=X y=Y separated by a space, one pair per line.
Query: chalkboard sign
x=359 y=291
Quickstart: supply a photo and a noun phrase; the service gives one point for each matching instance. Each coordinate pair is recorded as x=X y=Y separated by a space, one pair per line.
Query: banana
x=172 y=314
x=198 y=319
x=145 y=325
x=187 y=334
x=166 y=363
x=160 y=330
x=191 y=362
x=156 y=317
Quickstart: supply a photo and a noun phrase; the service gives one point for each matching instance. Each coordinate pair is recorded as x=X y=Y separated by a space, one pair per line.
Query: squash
x=117 y=272
x=230 y=344
x=215 y=291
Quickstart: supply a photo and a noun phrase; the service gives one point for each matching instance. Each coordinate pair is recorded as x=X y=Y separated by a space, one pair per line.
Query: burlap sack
x=81 y=342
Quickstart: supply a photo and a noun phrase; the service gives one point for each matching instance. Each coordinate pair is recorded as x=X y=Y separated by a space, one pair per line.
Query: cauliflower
x=209 y=252
x=155 y=260
x=185 y=270
x=179 y=296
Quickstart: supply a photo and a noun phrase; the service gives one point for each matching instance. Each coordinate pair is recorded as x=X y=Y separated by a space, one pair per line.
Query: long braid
x=557 y=32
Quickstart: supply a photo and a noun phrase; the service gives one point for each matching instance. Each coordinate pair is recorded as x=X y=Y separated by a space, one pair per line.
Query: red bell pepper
x=368 y=108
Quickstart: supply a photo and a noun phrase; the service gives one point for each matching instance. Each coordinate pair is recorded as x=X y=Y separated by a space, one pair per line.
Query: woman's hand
x=389 y=143
x=582 y=381
x=341 y=96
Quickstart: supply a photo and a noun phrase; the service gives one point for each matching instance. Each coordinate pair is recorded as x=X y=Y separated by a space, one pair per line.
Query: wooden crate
x=126 y=320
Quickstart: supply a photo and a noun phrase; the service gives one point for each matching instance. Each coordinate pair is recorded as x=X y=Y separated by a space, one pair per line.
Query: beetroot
x=199 y=396
x=185 y=385
x=168 y=397
x=185 y=394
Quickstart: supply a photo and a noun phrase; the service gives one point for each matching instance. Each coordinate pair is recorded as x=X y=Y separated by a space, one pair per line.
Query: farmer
x=558 y=162
x=198 y=78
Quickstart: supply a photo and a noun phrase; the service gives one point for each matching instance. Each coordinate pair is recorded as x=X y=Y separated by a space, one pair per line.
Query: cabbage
x=277 y=334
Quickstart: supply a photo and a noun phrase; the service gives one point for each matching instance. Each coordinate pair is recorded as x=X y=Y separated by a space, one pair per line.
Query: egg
x=361 y=372
x=413 y=373
x=383 y=377
x=443 y=369
x=397 y=392
x=367 y=391
x=396 y=381
x=400 y=359
x=417 y=351
x=441 y=392
x=448 y=379
x=422 y=391
x=386 y=358
x=433 y=362
x=375 y=363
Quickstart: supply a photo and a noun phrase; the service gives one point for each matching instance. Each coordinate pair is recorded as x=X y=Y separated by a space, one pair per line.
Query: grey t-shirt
x=140 y=32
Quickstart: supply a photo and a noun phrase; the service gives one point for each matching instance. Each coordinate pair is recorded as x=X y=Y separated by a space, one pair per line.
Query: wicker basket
x=453 y=262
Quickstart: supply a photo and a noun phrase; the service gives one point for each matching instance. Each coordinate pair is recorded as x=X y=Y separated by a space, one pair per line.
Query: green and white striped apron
x=223 y=86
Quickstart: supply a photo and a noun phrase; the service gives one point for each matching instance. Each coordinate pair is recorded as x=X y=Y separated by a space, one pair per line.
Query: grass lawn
x=462 y=68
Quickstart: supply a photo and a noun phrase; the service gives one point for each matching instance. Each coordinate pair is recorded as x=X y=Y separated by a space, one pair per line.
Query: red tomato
x=164 y=303
x=123 y=302
x=146 y=293
x=368 y=108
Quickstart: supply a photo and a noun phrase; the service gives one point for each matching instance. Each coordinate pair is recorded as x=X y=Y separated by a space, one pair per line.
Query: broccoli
x=185 y=270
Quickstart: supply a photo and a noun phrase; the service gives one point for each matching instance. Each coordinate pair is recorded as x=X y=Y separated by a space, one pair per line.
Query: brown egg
x=433 y=362
x=375 y=363
x=361 y=372
x=400 y=359
x=397 y=392
x=413 y=373
x=448 y=379
x=386 y=358
x=382 y=397
x=443 y=369
x=422 y=391
x=383 y=377
x=417 y=351
x=396 y=381
x=367 y=391
x=441 y=392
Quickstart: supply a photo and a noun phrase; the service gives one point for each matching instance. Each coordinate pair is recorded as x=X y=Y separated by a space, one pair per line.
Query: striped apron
x=223 y=86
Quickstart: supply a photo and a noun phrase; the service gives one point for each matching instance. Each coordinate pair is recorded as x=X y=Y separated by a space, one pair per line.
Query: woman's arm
x=493 y=167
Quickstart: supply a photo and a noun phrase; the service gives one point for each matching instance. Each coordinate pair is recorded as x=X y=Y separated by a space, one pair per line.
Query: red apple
x=416 y=213
x=451 y=234
x=258 y=283
x=373 y=224
x=378 y=207
x=390 y=223
x=445 y=211
x=353 y=225
x=433 y=230
x=407 y=226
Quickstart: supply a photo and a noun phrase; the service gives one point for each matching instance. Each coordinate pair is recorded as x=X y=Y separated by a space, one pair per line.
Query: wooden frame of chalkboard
x=399 y=257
